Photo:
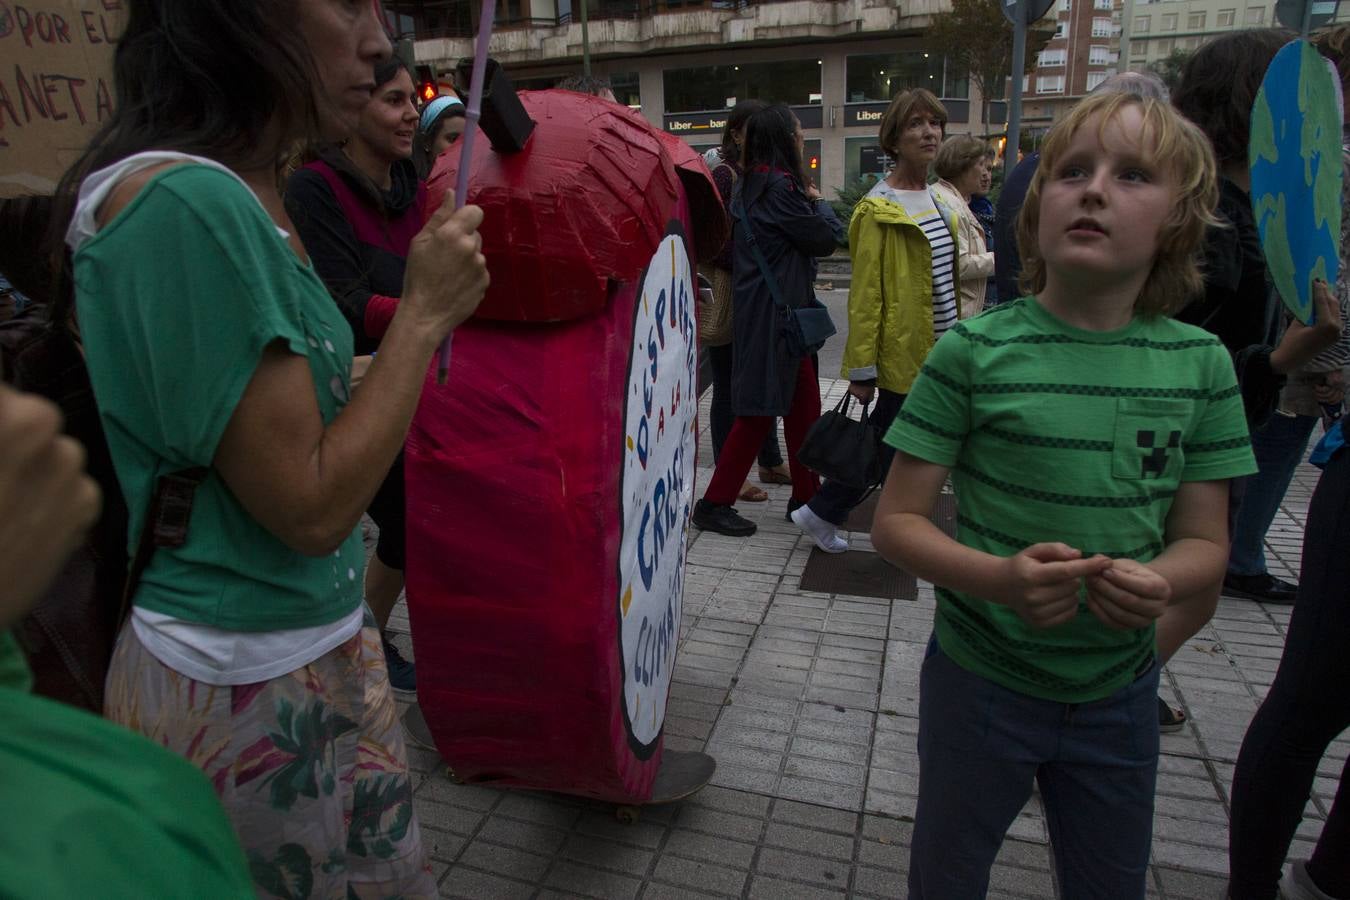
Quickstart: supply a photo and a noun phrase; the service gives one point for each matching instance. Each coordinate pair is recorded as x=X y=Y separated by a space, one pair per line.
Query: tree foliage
x=975 y=36
x=1169 y=67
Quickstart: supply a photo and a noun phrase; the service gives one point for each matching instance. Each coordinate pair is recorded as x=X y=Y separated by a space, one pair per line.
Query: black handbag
x=804 y=329
x=843 y=449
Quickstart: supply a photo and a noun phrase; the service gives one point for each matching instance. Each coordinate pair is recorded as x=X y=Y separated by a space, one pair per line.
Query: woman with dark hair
x=1218 y=86
x=1301 y=715
x=441 y=124
x=903 y=296
x=725 y=175
x=357 y=208
x=222 y=372
x=775 y=206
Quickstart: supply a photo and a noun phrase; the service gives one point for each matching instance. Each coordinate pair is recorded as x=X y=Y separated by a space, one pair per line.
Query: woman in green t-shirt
x=212 y=345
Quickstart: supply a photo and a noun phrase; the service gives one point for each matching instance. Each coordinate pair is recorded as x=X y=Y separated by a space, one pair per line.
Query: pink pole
x=471 y=115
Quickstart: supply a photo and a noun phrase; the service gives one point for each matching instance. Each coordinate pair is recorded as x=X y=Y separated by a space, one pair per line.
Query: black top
x=1239 y=305
x=347 y=254
x=1007 y=261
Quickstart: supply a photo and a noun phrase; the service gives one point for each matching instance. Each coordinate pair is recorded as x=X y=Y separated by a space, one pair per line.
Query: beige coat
x=975 y=264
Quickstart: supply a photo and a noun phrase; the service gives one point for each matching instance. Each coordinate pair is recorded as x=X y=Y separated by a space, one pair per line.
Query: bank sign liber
x=56 y=86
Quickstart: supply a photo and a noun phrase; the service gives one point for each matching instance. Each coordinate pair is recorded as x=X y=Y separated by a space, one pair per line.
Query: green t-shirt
x=178 y=296
x=93 y=810
x=1057 y=434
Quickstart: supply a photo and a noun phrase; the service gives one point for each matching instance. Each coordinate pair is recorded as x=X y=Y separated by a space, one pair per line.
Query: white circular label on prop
x=660 y=438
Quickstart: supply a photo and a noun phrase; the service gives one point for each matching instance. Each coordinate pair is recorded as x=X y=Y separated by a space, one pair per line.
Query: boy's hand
x=1128 y=596
x=1043 y=582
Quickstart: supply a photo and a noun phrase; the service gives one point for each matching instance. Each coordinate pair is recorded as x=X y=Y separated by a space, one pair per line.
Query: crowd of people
x=1091 y=364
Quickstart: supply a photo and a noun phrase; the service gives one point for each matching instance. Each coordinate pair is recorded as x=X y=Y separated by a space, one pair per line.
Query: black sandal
x=1170 y=720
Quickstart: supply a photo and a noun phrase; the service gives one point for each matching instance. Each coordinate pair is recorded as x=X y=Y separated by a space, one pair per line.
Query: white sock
x=825 y=535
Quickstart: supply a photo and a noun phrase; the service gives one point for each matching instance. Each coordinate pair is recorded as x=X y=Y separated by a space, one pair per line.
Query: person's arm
x=1302 y=343
x=809 y=225
x=47 y=502
x=1040 y=584
x=331 y=243
x=309 y=483
x=975 y=261
x=864 y=306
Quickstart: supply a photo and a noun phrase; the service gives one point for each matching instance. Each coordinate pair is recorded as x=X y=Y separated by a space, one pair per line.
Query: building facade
x=1098 y=37
x=1082 y=54
x=837 y=63
x=1153 y=31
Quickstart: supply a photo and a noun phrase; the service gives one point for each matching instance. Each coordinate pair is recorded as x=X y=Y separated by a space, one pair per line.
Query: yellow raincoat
x=890 y=298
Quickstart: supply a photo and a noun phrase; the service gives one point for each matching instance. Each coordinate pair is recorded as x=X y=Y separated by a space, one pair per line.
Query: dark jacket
x=1007 y=261
x=357 y=236
x=791 y=231
x=1239 y=306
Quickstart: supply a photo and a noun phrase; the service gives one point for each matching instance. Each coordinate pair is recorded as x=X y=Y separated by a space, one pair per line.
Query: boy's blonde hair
x=1185 y=152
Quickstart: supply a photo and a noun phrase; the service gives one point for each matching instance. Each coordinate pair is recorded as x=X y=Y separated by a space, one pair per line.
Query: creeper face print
x=1155 y=456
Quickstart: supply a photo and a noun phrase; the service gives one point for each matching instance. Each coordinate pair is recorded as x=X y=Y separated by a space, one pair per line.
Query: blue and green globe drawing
x=1295 y=157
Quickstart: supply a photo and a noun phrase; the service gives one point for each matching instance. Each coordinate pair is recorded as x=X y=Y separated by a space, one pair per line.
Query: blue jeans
x=1279 y=445
x=982 y=746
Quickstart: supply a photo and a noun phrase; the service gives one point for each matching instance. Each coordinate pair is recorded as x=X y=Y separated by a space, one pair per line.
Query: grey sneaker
x=1297 y=884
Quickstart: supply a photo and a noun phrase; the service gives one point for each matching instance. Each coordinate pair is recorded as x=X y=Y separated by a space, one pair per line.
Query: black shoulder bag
x=843 y=449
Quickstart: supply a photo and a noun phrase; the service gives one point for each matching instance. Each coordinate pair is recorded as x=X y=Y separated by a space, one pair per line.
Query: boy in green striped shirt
x=1089 y=439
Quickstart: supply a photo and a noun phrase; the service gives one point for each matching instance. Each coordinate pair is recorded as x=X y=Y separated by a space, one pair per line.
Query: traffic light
x=814 y=164
x=427 y=88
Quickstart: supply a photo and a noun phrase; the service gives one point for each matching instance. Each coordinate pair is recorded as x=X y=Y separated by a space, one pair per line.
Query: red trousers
x=747 y=434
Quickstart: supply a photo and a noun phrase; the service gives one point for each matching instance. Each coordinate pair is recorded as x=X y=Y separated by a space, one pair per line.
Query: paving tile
x=825 y=873
x=602 y=854
x=820 y=818
x=765 y=887
x=809 y=841
x=721 y=824
x=508 y=862
x=870 y=882
x=657 y=891
x=461 y=881
x=709 y=848
x=720 y=880
x=525 y=835
x=1190 y=885
x=577 y=879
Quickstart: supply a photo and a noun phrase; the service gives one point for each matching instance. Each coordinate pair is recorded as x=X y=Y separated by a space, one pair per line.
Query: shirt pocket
x=1148 y=442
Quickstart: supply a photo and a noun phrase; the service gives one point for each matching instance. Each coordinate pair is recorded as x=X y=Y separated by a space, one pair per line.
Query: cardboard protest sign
x=1295 y=159
x=550 y=482
x=56 y=86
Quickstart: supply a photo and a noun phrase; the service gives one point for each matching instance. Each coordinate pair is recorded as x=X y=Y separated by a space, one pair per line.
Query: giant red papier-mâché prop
x=550 y=481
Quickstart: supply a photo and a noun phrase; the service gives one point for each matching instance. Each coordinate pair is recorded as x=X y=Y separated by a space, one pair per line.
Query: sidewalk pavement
x=809 y=703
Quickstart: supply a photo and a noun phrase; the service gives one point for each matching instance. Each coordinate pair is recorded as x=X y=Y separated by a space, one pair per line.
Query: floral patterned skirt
x=311 y=766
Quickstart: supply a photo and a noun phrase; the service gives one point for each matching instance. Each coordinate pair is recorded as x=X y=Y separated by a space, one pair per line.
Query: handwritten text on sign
x=658 y=483
x=55 y=86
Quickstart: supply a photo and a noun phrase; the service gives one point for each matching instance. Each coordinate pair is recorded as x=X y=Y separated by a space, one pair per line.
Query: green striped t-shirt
x=1053 y=433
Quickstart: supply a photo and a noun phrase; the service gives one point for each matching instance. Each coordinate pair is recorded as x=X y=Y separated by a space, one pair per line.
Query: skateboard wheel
x=628 y=815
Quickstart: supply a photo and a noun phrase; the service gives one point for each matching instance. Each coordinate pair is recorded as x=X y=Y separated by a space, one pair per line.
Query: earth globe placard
x=1295 y=159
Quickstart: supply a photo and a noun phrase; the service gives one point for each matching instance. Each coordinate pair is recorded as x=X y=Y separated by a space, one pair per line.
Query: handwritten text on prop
x=55 y=86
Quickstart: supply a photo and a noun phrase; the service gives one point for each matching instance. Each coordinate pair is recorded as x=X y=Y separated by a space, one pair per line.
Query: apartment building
x=684 y=63
x=1152 y=31
x=1083 y=52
